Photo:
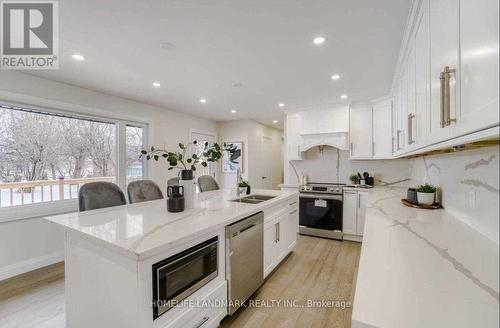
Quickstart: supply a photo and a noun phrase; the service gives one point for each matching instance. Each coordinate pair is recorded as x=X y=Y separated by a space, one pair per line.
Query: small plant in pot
x=426 y=194
x=354 y=179
x=244 y=187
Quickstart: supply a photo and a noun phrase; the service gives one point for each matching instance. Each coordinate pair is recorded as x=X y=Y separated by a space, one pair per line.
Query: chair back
x=207 y=183
x=143 y=191
x=94 y=195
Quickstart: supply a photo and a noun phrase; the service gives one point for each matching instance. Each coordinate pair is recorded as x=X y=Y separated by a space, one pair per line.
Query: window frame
x=42 y=209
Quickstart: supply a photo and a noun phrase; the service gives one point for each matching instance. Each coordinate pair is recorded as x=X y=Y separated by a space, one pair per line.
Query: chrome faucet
x=238 y=180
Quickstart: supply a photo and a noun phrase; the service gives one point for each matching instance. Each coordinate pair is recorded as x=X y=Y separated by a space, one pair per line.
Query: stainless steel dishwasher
x=244 y=259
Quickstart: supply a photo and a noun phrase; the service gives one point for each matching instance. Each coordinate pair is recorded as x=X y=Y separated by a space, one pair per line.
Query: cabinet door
x=360 y=131
x=293 y=126
x=361 y=215
x=382 y=129
x=478 y=65
x=443 y=52
x=282 y=237
x=350 y=206
x=292 y=225
x=419 y=118
x=270 y=241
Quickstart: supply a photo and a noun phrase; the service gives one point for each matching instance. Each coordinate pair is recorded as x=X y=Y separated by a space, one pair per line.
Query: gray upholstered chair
x=207 y=183
x=173 y=181
x=143 y=191
x=96 y=195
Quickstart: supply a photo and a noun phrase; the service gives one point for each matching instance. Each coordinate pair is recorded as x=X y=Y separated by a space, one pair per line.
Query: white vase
x=425 y=198
x=189 y=192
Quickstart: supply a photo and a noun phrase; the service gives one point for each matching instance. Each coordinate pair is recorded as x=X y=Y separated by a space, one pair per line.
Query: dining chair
x=143 y=191
x=99 y=194
x=207 y=183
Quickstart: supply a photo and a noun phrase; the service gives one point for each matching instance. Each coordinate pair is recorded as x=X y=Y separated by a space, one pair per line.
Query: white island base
x=106 y=289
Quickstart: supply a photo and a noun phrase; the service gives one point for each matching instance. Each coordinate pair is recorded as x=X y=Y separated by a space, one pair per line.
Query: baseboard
x=30 y=265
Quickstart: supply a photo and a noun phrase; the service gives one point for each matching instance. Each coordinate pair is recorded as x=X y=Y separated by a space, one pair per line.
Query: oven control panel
x=321 y=189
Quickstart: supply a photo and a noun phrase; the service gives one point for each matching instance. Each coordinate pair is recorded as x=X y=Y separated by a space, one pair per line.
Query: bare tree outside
x=39 y=146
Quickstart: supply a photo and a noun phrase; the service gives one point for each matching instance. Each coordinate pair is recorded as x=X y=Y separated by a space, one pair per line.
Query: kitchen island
x=110 y=252
x=423 y=268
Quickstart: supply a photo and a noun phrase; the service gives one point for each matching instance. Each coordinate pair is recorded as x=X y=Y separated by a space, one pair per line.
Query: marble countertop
x=144 y=229
x=423 y=268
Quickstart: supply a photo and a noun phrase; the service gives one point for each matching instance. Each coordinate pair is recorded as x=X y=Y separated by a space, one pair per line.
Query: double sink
x=253 y=199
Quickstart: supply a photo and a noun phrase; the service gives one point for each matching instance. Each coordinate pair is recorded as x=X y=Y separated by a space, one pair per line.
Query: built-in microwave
x=180 y=275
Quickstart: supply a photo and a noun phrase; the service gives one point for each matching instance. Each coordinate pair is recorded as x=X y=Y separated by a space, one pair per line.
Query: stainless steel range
x=320 y=211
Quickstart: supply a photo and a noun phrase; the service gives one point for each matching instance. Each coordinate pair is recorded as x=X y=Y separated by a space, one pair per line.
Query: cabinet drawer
x=208 y=313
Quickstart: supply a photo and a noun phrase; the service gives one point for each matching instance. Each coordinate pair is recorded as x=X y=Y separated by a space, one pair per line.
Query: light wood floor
x=318 y=269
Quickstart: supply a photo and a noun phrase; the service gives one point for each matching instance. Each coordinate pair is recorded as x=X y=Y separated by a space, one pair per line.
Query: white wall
x=333 y=165
x=460 y=176
x=251 y=133
x=23 y=243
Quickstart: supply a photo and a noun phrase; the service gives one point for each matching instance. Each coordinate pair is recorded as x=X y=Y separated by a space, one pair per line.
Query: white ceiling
x=199 y=48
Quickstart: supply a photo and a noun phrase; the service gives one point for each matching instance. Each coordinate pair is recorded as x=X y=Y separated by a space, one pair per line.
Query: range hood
x=333 y=139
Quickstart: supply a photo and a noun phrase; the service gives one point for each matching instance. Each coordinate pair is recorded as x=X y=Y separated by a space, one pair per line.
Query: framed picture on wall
x=232 y=157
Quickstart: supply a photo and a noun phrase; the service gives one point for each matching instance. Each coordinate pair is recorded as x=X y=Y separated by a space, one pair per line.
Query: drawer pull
x=293 y=212
x=293 y=203
x=205 y=319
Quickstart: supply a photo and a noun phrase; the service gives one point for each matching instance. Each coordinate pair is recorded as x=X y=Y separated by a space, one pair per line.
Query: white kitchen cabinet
x=354 y=213
x=419 y=116
x=349 y=204
x=382 y=129
x=292 y=136
x=360 y=131
x=280 y=234
x=325 y=120
x=444 y=38
x=478 y=66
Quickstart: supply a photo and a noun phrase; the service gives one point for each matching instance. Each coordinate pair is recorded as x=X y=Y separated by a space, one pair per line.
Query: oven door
x=322 y=212
x=178 y=276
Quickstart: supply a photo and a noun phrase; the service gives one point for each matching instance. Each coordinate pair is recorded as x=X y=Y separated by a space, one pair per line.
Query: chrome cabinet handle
x=410 y=128
x=279 y=231
x=276 y=232
x=373 y=148
x=444 y=78
x=359 y=200
x=293 y=212
x=351 y=148
x=397 y=139
x=293 y=203
x=441 y=97
x=205 y=319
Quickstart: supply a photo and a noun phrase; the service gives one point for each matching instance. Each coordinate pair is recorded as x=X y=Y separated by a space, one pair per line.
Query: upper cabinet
x=446 y=84
x=382 y=129
x=292 y=136
x=478 y=65
x=360 y=131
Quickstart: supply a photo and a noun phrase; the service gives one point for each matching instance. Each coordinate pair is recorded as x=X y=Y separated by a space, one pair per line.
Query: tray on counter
x=434 y=206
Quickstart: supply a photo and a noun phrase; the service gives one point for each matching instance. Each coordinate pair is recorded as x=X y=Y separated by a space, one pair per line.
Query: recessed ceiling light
x=78 y=57
x=233 y=111
x=275 y=121
x=203 y=100
x=156 y=84
x=335 y=77
x=281 y=105
x=343 y=97
x=319 y=40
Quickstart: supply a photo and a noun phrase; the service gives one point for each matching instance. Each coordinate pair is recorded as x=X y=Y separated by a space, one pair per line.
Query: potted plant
x=244 y=187
x=354 y=179
x=186 y=162
x=426 y=194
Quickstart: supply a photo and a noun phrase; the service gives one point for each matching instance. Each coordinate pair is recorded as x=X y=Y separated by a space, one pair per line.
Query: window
x=47 y=156
x=135 y=166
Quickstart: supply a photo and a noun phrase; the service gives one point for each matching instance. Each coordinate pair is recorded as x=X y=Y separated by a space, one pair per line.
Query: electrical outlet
x=472 y=198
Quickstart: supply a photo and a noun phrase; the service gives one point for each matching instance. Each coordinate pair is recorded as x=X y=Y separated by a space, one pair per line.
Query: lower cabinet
x=280 y=235
x=354 y=214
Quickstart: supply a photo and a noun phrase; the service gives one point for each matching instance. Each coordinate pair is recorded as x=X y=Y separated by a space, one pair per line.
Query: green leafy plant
x=426 y=188
x=354 y=178
x=181 y=159
x=243 y=184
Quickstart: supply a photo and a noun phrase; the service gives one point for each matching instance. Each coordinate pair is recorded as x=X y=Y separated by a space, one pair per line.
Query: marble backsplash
x=469 y=185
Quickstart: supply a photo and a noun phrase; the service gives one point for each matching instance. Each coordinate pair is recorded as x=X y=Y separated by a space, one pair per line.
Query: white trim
x=30 y=265
x=31 y=211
